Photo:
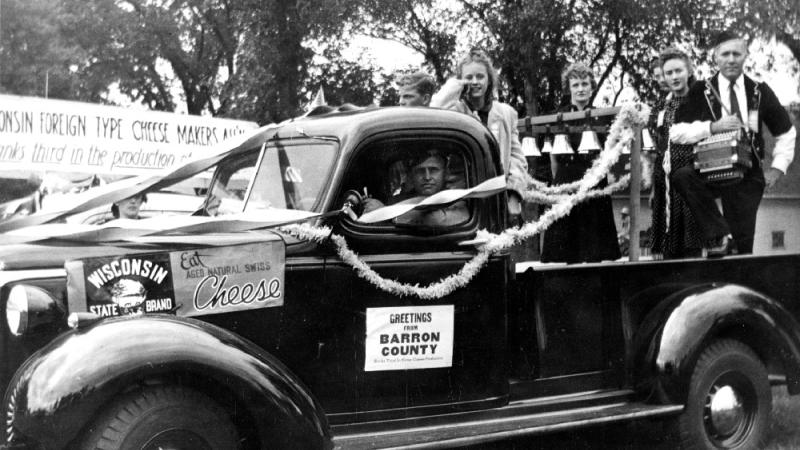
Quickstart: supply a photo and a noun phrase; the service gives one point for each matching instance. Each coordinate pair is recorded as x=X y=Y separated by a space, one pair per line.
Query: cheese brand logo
x=129 y=286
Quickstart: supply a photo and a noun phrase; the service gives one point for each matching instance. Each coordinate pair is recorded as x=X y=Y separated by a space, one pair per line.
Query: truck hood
x=52 y=254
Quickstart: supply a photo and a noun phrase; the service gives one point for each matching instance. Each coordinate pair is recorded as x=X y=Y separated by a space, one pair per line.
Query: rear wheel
x=729 y=400
x=163 y=417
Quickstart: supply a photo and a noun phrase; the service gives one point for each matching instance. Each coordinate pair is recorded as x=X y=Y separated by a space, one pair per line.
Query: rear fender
x=671 y=338
x=61 y=388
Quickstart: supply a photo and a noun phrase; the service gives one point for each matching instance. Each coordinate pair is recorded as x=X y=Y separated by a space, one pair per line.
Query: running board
x=481 y=431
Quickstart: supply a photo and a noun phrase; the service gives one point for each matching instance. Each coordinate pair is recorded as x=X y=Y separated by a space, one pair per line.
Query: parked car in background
x=157 y=204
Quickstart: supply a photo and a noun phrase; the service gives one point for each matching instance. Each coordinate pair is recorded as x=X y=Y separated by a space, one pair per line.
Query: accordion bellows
x=723 y=157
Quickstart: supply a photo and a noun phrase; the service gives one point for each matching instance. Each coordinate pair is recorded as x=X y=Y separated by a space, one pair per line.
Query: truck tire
x=162 y=417
x=729 y=400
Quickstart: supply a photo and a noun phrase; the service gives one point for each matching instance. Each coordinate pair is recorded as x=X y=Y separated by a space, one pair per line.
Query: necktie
x=734 y=100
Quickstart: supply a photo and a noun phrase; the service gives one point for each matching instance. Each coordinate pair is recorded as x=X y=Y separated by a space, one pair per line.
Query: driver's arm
x=371 y=204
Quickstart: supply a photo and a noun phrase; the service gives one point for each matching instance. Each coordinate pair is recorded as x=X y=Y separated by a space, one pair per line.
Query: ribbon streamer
x=127 y=229
x=120 y=190
x=488 y=188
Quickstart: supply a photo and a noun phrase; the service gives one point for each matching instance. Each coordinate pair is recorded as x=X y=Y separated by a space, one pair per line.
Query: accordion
x=723 y=157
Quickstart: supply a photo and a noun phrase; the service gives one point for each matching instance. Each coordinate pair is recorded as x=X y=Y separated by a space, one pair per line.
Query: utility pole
x=1 y=46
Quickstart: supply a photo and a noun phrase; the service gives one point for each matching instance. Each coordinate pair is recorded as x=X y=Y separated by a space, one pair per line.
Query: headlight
x=30 y=308
x=17 y=310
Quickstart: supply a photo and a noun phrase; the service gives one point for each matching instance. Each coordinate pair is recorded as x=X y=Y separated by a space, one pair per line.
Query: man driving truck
x=427 y=175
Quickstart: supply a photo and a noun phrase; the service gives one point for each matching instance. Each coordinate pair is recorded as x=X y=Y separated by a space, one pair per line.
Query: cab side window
x=407 y=172
x=228 y=190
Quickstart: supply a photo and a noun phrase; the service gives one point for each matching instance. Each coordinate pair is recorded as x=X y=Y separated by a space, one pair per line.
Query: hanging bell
x=547 y=147
x=529 y=147
x=647 y=141
x=589 y=142
x=561 y=145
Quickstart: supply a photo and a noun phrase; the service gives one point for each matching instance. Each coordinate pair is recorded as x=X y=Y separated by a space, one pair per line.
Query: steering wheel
x=354 y=200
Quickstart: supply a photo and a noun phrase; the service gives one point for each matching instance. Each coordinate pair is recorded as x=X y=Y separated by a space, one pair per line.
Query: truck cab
x=337 y=354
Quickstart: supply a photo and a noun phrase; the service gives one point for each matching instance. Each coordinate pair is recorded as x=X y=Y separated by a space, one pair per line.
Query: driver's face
x=428 y=176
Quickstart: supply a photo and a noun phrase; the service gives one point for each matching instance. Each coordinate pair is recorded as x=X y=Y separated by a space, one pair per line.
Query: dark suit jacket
x=702 y=105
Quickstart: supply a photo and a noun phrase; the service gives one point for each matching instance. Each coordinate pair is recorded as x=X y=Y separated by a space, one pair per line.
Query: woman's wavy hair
x=577 y=70
x=670 y=53
x=479 y=56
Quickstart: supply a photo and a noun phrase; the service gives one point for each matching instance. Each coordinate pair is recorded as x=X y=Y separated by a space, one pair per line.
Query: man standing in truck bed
x=749 y=103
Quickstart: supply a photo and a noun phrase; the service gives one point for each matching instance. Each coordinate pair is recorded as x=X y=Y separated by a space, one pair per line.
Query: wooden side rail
x=598 y=120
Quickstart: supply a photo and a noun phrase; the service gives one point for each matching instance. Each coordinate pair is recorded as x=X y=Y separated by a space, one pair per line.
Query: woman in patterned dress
x=675 y=233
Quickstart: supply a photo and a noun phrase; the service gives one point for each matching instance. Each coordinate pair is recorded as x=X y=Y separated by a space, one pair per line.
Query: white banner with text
x=39 y=134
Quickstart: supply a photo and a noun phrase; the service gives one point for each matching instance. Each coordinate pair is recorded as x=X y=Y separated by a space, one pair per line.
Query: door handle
x=475 y=242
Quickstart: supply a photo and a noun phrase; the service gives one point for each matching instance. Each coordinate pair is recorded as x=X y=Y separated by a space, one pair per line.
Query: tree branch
x=614 y=59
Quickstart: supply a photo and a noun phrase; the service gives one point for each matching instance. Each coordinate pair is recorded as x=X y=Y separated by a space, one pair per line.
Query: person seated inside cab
x=426 y=175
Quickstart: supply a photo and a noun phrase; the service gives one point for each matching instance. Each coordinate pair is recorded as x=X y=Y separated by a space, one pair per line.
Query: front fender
x=674 y=334
x=58 y=391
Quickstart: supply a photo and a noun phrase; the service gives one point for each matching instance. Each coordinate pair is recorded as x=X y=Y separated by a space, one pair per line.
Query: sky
x=389 y=55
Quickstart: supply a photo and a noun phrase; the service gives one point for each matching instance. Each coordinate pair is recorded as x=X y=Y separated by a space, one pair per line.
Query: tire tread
x=120 y=418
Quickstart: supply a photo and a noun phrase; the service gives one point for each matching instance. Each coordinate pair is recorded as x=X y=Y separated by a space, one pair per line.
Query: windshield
x=284 y=174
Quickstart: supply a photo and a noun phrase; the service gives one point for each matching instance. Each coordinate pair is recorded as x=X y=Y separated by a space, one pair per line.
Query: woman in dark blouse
x=588 y=233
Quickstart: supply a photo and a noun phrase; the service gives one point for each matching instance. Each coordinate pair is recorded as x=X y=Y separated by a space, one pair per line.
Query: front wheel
x=162 y=417
x=729 y=400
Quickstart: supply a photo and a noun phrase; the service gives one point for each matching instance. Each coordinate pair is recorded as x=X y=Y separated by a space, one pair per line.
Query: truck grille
x=9 y=428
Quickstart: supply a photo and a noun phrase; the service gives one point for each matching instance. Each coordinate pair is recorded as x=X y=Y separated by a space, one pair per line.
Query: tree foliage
x=87 y=46
x=263 y=60
x=237 y=58
x=277 y=54
x=779 y=19
x=429 y=27
x=32 y=60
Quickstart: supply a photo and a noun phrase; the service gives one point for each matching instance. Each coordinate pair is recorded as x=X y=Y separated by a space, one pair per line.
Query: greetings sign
x=410 y=337
x=188 y=283
x=57 y=135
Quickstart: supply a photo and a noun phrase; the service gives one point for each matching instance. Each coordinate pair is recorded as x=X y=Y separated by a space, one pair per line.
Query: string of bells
x=590 y=142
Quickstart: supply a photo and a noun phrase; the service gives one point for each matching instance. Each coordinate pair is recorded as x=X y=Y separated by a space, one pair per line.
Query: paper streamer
x=488 y=188
x=114 y=192
x=127 y=229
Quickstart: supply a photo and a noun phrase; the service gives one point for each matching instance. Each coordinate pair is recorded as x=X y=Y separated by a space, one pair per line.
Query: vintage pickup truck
x=259 y=339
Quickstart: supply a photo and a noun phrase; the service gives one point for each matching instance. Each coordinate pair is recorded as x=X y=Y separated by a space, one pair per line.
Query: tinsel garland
x=620 y=135
x=551 y=199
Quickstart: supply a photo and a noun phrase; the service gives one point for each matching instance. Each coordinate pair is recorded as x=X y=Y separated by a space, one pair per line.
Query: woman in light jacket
x=473 y=92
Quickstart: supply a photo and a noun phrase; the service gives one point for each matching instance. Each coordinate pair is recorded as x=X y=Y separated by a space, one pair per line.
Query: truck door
x=292 y=174
x=418 y=356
